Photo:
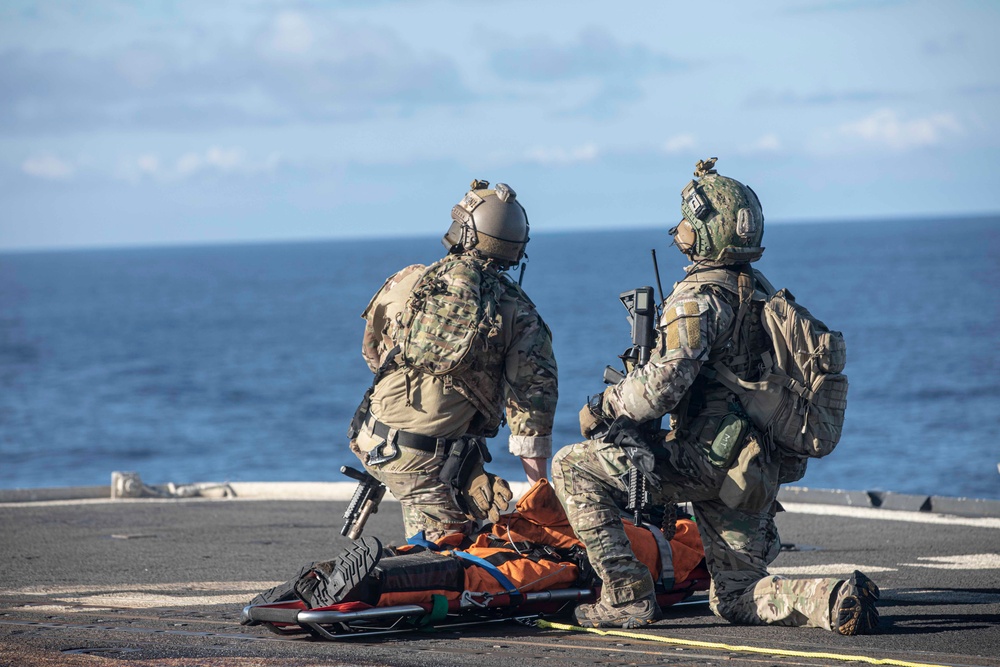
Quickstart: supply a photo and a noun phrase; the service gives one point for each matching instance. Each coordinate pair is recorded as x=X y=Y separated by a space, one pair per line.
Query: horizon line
x=292 y=240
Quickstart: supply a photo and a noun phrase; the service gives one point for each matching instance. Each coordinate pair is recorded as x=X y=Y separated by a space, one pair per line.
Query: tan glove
x=588 y=421
x=486 y=496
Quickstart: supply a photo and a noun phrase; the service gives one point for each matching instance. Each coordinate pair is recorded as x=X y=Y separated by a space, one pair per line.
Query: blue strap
x=492 y=569
x=421 y=541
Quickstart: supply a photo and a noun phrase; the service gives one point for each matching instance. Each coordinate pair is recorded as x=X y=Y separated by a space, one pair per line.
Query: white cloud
x=680 y=143
x=188 y=164
x=220 y=159
x=885 y=128
x=225 y=160
x=141 y=68
x=148 y=164
x=232 y=161
x=769 y=143
x=555 y=156
x=290 y=34
x=49 y=167
x=293 y=68
x=595 y=52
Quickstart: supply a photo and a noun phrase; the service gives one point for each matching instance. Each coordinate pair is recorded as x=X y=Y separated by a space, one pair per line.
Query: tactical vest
x=709 y=402
x=452 y=327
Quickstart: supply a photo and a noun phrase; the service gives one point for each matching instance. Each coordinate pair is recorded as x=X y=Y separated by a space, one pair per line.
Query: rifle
x=642 y=316
x=641 y=308
x=363 y=504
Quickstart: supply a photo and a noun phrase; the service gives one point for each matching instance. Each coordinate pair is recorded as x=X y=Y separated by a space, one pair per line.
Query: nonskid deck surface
x=164 y=582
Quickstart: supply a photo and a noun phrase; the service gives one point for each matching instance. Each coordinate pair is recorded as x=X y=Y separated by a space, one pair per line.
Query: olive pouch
x=728 y=441
x=752 y=483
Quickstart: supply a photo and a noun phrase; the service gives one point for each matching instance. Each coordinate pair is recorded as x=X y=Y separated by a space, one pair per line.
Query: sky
x=173 y=122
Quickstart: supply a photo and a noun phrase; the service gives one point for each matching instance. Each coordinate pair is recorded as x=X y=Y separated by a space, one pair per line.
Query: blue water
x=242 y=363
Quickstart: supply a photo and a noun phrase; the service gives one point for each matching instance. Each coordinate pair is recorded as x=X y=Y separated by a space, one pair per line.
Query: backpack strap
x=719 y=371
x=746 y=289
x=749 y=281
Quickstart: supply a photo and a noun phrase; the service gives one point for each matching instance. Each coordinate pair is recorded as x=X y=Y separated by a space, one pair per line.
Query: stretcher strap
x=502 y=579
x=420 y=541
x=438 y=612
x=510 y=588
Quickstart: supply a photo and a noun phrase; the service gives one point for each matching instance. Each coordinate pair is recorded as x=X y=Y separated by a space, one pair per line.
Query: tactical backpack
x=452 y=309
x=800 y=399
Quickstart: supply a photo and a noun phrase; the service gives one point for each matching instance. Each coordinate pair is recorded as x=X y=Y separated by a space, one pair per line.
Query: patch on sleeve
x=693 y=323
x=684 y=328
x=673 y=338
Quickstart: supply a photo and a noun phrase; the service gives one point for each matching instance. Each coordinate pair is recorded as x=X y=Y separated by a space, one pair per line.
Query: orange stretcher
x=526 y=566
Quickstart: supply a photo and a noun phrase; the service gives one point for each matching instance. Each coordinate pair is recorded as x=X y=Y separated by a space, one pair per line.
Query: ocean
x=242 y=362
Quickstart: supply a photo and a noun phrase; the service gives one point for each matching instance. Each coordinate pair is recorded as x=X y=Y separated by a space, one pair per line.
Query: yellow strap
x=731 y=647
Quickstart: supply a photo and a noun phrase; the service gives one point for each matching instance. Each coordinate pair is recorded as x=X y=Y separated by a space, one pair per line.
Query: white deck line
x=891 y=515
x=307 y=491
x=342 y=491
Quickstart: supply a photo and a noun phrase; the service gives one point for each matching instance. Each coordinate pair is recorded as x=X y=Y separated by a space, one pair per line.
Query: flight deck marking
x=49 y=625
x=962 y=562
x=827 y=569
x=145 y=596
x=891 y=515
x=988 y=561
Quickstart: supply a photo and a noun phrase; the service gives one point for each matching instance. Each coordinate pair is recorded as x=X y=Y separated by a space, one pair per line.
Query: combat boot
x=853 y=610
x=282 y=592
x=341 y=579
x=628 y=615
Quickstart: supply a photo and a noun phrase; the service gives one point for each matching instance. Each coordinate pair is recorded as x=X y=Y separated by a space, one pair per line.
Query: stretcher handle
x=260 y=614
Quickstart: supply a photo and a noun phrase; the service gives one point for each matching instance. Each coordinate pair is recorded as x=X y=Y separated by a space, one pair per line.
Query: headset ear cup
x=685 y=237
x=455 y=239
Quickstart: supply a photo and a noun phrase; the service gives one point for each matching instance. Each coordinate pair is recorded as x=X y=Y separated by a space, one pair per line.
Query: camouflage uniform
x=699 y=320
x=516 y=371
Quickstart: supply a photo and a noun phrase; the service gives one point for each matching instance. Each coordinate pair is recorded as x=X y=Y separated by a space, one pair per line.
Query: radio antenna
x=656 y=269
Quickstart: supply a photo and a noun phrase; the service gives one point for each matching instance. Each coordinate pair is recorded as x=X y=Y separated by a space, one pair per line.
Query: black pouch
x=451 y=469
x=463 y=455
x=358 y=420
x=423 y=571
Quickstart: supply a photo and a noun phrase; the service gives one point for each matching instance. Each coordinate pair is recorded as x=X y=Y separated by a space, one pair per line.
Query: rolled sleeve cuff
x=531 y=446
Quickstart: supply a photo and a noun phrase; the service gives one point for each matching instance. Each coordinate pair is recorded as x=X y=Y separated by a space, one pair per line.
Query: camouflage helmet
x=489 y=222
x=723 y=220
